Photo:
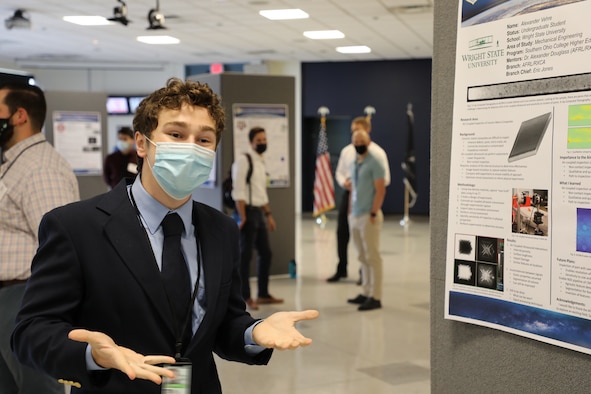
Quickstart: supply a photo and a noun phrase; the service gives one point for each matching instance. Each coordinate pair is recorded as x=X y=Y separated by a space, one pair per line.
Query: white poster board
x=274 y=119
x=77 y=137
x=519 y=231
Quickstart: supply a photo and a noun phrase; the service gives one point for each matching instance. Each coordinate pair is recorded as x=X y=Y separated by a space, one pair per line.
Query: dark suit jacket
x=95 y=269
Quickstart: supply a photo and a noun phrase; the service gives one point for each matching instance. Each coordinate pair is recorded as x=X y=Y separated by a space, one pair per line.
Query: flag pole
x=322 y=111
x=369 y=111
x=406 y=218
x=408 y=165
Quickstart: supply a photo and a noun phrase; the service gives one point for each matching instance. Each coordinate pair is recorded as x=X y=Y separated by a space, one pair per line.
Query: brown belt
x=6 y=283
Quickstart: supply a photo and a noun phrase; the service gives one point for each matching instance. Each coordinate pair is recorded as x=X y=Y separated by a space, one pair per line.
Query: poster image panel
x=483 y=11
x=579 y=126
x=530 y=211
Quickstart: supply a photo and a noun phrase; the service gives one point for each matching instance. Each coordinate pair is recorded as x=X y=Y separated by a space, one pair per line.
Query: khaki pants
x=366 y=238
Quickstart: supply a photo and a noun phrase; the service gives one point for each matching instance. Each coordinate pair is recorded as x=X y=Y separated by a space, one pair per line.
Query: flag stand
x=321 y=220
x=406 y=218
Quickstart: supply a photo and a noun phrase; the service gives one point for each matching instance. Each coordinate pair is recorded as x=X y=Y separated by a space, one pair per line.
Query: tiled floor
x=380 y=351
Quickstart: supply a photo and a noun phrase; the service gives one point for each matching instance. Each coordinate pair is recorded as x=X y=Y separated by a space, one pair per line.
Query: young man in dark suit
x=97 y=312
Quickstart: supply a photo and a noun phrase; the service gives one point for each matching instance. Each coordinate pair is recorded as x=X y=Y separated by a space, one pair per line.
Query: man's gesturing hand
x=278 y=330
x=107 y=354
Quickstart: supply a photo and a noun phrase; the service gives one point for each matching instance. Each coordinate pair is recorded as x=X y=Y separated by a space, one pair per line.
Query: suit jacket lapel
x=210 y=236
x=129 y=239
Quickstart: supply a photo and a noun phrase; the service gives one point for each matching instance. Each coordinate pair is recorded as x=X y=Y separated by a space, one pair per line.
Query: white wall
x=113 y=80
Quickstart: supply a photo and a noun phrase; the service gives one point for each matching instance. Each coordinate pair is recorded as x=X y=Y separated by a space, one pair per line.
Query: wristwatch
x=373 y=214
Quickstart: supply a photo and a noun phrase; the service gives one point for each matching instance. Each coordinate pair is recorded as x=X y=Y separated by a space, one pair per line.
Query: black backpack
x=227 y=185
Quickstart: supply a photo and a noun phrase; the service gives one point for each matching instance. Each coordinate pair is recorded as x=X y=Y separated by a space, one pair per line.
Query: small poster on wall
x=272 y=118
x=77 y=137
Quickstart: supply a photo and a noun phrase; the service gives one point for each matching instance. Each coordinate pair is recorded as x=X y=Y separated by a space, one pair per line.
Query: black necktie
x=175 y=274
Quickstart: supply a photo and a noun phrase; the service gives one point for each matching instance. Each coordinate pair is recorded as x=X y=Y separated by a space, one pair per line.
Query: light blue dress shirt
x=364 y=174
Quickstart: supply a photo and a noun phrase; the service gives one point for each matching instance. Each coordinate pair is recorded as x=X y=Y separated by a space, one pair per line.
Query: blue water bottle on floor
x=292 y=269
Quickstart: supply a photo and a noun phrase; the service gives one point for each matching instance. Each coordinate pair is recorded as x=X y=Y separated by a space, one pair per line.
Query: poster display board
x=519 y=227
x=273 y=118
x=77 y=137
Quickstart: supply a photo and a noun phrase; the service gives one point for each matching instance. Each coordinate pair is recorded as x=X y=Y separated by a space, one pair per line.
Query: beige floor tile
x=380 y=351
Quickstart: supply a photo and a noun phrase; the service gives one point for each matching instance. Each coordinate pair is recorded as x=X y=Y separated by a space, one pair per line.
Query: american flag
x=323 y=181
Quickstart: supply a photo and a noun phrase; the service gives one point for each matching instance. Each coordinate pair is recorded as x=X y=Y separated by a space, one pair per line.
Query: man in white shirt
x=252 y=205
x=343 y=177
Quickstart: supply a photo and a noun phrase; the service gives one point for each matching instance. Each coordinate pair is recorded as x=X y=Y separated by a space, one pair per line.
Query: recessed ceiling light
x=324 y=34
x=354 y=49
x=87 y=20
x=295 y=13
x=158 y=40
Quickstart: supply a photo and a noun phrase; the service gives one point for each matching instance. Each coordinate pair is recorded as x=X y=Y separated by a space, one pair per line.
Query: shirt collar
x=17 y=149
x=153 y=212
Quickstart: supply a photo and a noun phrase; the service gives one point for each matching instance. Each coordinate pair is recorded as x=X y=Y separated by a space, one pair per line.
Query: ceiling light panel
x=324 y=34
x=354 y=49
x=158 y=40
x=87 y=20
x=286 y=14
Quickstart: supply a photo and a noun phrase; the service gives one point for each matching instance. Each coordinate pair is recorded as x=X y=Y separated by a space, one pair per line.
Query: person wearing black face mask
x=6 y=130
x=343 y=178
x=256 y=219
x=34 y=179
x=368 y=190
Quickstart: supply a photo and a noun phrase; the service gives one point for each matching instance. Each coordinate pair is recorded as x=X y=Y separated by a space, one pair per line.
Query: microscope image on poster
x=529 y=212
x=584 y=230
x=579 y=126
x=529 y=137
x=479 y=261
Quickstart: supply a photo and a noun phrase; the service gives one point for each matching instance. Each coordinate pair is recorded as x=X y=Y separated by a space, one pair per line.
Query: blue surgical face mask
x=181 y=167
x=124 y=146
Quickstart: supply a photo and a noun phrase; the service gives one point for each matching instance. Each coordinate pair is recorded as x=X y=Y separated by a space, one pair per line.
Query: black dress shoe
x=336 y=277
x=369 y=304
x=360 y=299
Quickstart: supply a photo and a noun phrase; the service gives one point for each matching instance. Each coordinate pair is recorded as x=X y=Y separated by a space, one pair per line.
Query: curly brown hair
x=173 y=96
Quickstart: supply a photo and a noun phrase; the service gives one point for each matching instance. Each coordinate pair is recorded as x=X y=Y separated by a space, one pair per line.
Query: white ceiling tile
x=218 y=30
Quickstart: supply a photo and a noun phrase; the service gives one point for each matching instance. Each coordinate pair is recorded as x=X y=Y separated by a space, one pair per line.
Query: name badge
x=132 y=168
x=181 y=383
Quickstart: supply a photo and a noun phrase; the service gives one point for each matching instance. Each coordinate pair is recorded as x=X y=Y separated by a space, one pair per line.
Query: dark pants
x=16 y=378
x=254 y=234
x=343 y=233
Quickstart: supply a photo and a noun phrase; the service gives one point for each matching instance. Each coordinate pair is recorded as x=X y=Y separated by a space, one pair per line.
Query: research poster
x=519 y=231
x=77 y=137
x=274 y=119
